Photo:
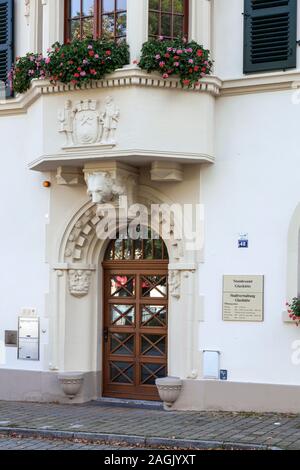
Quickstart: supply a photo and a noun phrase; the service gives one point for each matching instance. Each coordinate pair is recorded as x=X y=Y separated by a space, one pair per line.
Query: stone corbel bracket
x=79 y=278
x=176 y=271
x=107 y=182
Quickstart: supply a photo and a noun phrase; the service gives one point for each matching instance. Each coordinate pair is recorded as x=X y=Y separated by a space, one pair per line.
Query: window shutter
x=6 y=40
x=270 y=35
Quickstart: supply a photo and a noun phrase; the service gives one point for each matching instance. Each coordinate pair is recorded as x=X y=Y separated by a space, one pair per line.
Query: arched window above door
x=125 y=249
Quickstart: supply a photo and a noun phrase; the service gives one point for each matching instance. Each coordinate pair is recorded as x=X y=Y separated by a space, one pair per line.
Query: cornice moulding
x=134 y=77
x=131 y=156
x=125 y=77
x=259 y=83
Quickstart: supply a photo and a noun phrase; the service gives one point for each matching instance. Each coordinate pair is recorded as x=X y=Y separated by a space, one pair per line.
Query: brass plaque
x=243 y=298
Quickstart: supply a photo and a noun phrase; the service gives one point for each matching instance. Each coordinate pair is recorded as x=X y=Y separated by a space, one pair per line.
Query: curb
x=133 y=440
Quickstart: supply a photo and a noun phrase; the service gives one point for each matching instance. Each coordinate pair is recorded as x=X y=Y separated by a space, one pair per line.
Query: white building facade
x=73 y=301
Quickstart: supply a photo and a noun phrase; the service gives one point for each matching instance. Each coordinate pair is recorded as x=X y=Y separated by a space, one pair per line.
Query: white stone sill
x=127 y=76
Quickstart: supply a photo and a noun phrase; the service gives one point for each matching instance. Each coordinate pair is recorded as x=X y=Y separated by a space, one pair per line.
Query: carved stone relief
x=79 y=282
x=84 y=124
x=174 y=284
x=103 y=188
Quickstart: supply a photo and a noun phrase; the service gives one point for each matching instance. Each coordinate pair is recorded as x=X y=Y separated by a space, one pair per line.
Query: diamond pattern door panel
x=135 y=328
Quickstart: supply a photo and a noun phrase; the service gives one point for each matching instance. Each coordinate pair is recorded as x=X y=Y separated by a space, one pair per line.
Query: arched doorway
x=135 y=317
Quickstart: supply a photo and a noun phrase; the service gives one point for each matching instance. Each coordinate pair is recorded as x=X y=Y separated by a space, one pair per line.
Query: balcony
x=153 y=120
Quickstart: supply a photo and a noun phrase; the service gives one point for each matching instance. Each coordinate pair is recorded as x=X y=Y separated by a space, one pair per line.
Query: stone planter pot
x=169 y=389
x=71 y=383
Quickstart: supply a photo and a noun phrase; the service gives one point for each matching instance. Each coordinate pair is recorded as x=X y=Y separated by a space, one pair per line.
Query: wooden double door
x=135 y=328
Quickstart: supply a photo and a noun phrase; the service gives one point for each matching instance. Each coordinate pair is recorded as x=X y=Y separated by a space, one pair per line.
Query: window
x=95 y=18
x=168 y=18
x=6 y=43
x=270 y=30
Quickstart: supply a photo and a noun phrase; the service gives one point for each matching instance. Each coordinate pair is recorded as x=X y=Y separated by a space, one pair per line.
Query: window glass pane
x=122 y=372
x=122 y=344
x=122 y=286
x=158 y=249
x=75 y=29
x=138 y=252
x=88 y=27
x=166 y=29
x=108 y=6
x=154 y=316
x=148 y=249
x=88 y=8
x=121 y=24
x=153 y=24
x=178 y=6
x=154 y=286
x=154 y=4
x=121 y=5
x=122 y=315
x=128 y=249
x=151 y=372
x=74 y=8
x=153 y=345
x=178 y=26
x=108 y=26
x=166 y=5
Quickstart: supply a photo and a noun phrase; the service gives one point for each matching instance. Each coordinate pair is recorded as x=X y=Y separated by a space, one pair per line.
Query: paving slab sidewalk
x=94 y=421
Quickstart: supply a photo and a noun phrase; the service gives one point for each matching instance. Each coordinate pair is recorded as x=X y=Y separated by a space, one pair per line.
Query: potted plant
x=187 y=60
x=76 y=62
x=294 y=310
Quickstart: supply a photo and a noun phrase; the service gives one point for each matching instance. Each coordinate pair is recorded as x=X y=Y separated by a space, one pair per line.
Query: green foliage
x=26 y=69
x=188 y=60
x=77 y=63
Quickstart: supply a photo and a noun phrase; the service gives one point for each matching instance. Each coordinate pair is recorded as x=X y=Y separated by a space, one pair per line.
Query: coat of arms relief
x=84 y=124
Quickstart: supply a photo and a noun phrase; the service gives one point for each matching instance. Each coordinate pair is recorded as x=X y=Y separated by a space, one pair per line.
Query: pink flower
x=48 y=60
x=90 y=47
x=165 y=75
x=191 y=61
x=157 y=57
x=85 y=61
x=83 y=73
x=179 y=51
x=96 y=56
x=176 y=64
x=169 y=49
x=161 y=38
x=162 y=64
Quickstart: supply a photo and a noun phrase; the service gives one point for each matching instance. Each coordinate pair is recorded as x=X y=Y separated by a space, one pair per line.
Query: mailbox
x=29 y=339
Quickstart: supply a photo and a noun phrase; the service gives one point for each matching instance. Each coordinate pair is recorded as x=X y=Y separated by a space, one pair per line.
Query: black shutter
x=6 y=40
x=270 y=35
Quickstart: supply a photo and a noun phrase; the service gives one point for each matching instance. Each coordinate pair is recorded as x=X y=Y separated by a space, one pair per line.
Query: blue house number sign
x=243 y=243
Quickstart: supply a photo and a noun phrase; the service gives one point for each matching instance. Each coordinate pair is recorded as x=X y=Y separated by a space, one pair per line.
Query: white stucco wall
x=23 y=214
x=253 y=188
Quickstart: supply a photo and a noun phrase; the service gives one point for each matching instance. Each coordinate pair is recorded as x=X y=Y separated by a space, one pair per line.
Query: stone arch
x=77 y=298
